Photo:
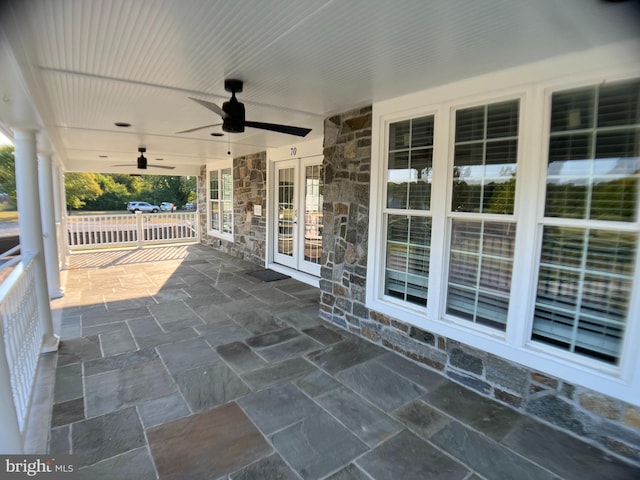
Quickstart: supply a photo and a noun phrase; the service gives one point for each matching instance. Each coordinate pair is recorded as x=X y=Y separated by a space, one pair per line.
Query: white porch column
x=57 y=209
x=49 y=234
x=31 y=243
x=61 y=209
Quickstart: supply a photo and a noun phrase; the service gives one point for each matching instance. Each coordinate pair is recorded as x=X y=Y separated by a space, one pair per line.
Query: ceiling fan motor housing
x=234 y=121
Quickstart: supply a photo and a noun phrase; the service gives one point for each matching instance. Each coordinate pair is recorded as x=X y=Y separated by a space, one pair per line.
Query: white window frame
x=533 y=85
x=211 y=231
x=486 y=217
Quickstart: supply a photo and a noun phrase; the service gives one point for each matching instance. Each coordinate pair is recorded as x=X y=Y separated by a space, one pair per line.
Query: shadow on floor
x=187 y=367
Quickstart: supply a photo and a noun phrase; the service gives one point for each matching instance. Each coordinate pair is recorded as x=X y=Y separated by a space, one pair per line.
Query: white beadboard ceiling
x=74 y=67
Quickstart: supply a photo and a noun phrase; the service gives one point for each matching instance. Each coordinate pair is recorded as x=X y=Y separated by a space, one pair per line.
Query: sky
x=4 y=139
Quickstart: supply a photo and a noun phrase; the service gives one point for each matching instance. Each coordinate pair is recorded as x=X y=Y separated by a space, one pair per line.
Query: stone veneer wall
x=249 y=189
x=607 y=422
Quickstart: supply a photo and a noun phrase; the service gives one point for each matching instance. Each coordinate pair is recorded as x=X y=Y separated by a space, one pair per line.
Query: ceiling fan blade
x=211 y=106
x=274 y=127
x=160 y=166
x=198 y=128
x=148 y=165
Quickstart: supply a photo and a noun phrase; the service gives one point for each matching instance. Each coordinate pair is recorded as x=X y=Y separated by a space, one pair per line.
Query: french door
x=297 y=228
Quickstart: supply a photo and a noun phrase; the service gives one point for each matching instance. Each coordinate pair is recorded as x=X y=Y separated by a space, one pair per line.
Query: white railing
x=99 y=231
x=21 y=337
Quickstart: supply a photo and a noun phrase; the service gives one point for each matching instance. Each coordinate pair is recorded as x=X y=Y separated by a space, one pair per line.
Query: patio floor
x=177 y=364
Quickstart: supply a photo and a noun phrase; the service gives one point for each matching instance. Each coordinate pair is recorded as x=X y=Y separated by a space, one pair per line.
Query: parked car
x=189 y=206
x=134 y=207
x=167 y=207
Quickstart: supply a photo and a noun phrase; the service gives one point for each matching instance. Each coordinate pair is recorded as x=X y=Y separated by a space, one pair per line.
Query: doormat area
x=267 y=275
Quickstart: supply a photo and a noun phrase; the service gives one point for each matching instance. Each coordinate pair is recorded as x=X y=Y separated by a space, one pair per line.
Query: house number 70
x=294 y=151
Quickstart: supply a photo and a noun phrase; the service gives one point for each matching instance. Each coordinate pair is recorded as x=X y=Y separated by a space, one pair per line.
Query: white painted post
x=30 y=221
x=59 y=208
x=139 y=228
x=50 y=238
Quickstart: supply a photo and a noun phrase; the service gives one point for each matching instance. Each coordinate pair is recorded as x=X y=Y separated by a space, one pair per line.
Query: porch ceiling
x=73 y=68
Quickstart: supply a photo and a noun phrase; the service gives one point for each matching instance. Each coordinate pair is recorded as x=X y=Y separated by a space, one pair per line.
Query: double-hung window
x=408 y=209
x=512 y=223
x=221 y=202
x=590 y=224
x=481 y=215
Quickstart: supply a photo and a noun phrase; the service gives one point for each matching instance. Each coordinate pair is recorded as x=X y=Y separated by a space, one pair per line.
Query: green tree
x=7 y=172
x=80 y=188
x=175 y=189
x=114 y=194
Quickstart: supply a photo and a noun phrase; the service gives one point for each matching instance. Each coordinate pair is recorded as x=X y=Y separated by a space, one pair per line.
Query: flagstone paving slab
x=300 y=318
x=272 y=467
x=563 y=454
x=317 y=446
x=345 y=354
x=488 y=416
x=272 y=338
x=350 y=472
x=485 y=456
x=144 y=326
x=116 y=389
x=68 y=383
x=116 y=342
x=210 y=385
x=163 y=409
x=67 y=412
x=102 y=437
x=60 y=440
x=206 y=445
x=316 y=383
x=290 y=349
x=77 y=350
x=421 y=418
x=134 y=464
x=280 y=372
x=181 y=356
x=158 y=339
x=382 y=387
x=222 y=332
x=406 y=456
x=323 y=334
x=257 y=321
x=116 y=362
x=240 y=357
x=427 y=379
x=367 y=422
x=278 y=407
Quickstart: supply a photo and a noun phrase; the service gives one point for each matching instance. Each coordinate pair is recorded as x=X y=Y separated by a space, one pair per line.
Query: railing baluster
x=20 y=340
x=95 y=231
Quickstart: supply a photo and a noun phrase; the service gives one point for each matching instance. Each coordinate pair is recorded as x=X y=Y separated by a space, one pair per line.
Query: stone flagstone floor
x=177 y=364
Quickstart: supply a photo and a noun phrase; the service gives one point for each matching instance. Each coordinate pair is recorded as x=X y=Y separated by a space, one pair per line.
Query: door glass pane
x=286 y=211
x=313 y=214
